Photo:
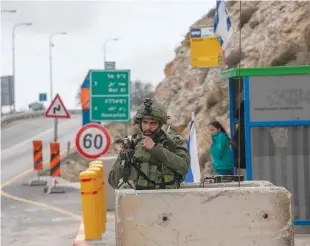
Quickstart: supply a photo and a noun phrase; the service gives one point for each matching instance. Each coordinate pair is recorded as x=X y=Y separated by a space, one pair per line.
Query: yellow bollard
x=96 y=162
x=102 y=187
x=102 y=223
x=89 y=205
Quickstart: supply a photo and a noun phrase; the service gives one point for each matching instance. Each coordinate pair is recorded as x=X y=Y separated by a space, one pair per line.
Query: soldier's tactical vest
x=150 y=173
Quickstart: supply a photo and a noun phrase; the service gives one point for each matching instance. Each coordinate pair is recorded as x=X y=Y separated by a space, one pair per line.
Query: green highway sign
x=110 y=95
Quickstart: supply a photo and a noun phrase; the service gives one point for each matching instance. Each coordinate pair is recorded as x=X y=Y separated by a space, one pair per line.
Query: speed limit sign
x=93 y=141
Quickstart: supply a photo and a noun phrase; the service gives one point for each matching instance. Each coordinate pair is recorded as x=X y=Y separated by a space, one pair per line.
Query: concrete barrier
x=108 y=163
x=257 y=213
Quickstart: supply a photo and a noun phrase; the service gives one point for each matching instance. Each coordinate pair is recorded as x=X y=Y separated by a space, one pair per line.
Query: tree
x=140 y=91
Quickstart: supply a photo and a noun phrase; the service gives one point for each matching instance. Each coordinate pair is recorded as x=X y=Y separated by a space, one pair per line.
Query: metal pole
x=104 y=53
x=13 y=66
x=104 y=49
x=13 y=58
x=51 y=68
x=51 y=81
x=51 y=87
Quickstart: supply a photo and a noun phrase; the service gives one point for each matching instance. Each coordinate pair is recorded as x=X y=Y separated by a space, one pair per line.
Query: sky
x=148 y=32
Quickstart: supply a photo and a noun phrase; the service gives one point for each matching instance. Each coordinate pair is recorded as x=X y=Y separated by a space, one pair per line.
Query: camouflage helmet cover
x=151 y=108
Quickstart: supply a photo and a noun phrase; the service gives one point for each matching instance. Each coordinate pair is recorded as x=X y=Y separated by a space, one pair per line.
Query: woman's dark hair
x=218 y=125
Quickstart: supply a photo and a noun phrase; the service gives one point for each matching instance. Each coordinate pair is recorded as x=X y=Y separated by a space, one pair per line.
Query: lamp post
x=104 y=60
x=51 y=78
x=51 y=62
x=104 y=48
x=13 y=54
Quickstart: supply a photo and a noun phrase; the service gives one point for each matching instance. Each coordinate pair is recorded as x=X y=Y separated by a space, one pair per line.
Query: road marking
x=39 y=204
x=42 y=205
x=27 y=172
x=29 y=140
x=17 y=177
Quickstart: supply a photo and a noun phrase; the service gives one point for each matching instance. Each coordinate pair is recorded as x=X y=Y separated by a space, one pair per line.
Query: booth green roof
x=265 y=71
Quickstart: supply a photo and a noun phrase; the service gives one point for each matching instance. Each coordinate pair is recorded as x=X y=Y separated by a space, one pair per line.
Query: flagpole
x=193 y=174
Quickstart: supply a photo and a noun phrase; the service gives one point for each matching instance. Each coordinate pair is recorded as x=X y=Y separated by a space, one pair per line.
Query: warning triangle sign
x=57 y=109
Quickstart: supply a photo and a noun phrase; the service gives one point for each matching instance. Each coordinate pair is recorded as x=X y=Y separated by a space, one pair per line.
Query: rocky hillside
x=274 y=33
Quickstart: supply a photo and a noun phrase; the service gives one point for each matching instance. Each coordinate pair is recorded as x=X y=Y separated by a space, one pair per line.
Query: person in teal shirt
x=220 y=149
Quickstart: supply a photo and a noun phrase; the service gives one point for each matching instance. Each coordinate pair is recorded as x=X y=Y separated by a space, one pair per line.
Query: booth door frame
x=248 y=124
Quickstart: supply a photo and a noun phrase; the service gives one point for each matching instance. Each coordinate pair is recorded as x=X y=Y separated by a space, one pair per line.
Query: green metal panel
x=265 y=71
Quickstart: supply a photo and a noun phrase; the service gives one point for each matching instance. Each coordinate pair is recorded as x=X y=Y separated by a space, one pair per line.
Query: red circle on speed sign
x=93 y=141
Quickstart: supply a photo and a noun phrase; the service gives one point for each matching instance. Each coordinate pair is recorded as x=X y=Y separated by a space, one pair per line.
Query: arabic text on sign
x=112 y=108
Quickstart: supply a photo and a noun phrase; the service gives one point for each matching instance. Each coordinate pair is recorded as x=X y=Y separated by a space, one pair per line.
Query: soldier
x=158 y=160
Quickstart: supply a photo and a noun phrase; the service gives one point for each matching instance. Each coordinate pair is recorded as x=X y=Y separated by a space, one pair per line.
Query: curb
x=80 y=238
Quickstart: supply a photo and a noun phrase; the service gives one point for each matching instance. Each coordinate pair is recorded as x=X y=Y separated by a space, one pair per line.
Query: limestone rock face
x=273 y=33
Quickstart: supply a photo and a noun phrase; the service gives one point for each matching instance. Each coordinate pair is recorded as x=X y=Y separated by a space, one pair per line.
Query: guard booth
x=275 y=114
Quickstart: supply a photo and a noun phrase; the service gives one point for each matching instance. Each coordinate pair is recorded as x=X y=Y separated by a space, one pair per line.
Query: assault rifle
x=126 y=157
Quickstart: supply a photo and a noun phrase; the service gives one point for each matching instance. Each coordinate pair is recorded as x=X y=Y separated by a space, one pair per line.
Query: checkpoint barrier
x=98 y=164
x=55 y=160
x=224 y=215
x=99 y=200
x=109 y=191
x=37 y=162
x=89 y=205
x=93 y=201
x=55 y=169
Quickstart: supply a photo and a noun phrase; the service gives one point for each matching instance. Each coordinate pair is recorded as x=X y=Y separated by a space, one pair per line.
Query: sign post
x=110 y=96
x=206 y=49
x=57 y=110
x=93 y=141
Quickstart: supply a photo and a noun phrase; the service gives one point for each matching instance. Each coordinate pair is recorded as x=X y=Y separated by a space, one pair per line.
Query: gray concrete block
x=256 y=214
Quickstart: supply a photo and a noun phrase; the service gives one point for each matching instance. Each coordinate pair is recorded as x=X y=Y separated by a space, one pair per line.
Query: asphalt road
x=24 y=223
x=30 y=224
x=17 y=137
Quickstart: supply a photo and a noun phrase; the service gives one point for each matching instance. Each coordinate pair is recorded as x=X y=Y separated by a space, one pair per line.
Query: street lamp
x=51 y=78
x=104 y=48
x=13 y=54
x=51 y=63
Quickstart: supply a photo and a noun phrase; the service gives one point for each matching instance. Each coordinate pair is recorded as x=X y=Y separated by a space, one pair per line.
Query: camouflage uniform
x=162 y=167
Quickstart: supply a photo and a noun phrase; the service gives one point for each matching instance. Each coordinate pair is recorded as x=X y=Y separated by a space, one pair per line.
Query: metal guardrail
x=8 y=118
x=5 y=119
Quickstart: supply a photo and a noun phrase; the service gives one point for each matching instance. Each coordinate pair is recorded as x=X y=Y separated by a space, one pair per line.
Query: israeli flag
x=222 y=24
x=193 y=174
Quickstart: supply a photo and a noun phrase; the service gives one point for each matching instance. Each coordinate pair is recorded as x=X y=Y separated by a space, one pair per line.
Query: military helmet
x=152 y=108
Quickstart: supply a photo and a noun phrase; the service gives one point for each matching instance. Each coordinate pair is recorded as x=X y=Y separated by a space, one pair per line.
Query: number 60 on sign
x=93 y=141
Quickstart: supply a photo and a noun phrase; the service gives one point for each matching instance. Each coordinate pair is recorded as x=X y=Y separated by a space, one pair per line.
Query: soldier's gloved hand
x=148 y=142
